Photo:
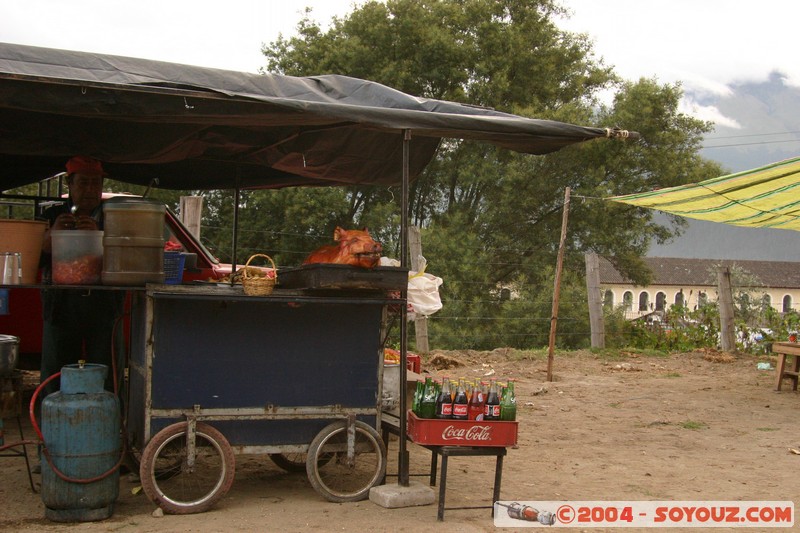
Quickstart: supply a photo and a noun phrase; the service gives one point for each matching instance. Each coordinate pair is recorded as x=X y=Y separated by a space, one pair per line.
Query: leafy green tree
x=492 y=218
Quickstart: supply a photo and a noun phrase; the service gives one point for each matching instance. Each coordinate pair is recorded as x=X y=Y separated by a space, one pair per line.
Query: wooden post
x=420 y=322
x=557 y=286
x=192 y=213
x=726 y=327
x=596 y=323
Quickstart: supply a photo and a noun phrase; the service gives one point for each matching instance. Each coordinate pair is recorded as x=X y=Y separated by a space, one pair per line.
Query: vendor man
x=78 y=323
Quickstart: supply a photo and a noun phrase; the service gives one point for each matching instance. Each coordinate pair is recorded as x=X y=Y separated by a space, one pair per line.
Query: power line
x=754 y=135
x=750 y=144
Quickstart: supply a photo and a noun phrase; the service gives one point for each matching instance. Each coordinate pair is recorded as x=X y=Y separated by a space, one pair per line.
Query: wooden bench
x=787 y=369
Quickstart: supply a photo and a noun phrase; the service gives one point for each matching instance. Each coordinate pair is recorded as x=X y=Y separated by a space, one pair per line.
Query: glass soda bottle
x=427 y=404
x=417 y=396
x=460 y=402
x=444 y=402
x=491 y=410
x=508 y=407
x=476 y=403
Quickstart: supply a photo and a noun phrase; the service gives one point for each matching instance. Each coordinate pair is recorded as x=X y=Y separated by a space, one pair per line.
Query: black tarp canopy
x=202 y=128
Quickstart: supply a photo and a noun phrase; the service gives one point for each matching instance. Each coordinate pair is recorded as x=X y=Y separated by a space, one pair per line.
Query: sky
x=704 y=44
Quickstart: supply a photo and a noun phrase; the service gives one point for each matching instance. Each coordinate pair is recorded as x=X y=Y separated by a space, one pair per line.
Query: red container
x=413 y=361
x=435 y=432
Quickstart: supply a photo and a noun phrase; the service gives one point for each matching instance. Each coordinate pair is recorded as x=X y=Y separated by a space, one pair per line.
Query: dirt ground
x=690 y=426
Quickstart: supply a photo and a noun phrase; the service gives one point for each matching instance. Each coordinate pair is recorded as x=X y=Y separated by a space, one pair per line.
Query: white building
x=691 y=282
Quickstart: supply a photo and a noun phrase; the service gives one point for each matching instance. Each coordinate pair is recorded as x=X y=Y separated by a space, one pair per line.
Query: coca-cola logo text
x=472 y=433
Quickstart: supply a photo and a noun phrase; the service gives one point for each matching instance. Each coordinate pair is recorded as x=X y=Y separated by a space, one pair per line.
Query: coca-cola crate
x=448 y=432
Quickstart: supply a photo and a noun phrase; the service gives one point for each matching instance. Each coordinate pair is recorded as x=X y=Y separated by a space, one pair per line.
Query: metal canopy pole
x=236 y=193
x=402 y=459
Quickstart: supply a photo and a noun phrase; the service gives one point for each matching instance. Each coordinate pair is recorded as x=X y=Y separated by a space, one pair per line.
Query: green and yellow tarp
x=765 y=197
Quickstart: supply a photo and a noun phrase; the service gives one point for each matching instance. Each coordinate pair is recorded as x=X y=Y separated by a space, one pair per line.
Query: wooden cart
x=215 y=373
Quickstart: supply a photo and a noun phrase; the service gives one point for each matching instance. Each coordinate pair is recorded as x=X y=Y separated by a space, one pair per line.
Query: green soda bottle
x=427 y=404
x=508 y=406
x=417 y=396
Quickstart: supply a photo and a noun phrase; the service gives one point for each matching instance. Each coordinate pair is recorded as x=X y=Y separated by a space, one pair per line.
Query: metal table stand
x=11 y=388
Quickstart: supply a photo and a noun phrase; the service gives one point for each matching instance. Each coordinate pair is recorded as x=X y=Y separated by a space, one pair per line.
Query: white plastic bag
x=423 y=293
x=423 y=289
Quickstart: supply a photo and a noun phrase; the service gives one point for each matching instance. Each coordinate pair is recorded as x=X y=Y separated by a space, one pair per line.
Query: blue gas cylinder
x=81 y=430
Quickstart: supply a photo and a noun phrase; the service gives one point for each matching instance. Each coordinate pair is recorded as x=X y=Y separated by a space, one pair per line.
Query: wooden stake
x=596 y=322
x=557 y=286
x=192 y=213
x=726 y=324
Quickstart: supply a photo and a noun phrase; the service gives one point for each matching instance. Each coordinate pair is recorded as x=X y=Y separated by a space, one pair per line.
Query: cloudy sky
x=706 y=45
x=702 y=43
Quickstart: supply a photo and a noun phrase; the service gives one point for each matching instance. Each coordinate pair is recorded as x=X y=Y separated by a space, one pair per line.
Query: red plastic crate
x=437 y=432
x=413 y=361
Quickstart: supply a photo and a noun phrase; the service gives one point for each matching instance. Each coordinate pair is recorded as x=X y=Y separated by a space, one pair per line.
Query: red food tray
x=438 y=432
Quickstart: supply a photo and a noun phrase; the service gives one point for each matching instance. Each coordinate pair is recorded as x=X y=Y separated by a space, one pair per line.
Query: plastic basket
x=173 y=267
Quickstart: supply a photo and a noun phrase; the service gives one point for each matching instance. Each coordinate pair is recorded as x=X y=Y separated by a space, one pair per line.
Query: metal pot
x=9 y=354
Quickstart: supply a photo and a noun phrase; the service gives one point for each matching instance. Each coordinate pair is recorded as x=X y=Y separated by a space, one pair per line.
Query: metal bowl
x=9 y=354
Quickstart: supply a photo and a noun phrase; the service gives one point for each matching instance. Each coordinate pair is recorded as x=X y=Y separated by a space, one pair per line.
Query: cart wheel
x=336 y=480
x=171 y=484
x=296 y=462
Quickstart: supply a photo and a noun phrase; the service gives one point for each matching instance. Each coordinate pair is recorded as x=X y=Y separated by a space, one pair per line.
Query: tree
x=492 y=218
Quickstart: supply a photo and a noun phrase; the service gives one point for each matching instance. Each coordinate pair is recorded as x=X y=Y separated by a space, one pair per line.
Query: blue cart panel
x=230 y=353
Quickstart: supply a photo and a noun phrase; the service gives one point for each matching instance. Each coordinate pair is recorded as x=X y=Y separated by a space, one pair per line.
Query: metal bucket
x=81 y=430
x=9 y=354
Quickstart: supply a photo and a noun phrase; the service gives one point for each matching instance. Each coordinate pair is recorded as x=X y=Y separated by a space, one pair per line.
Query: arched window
x=787 y=303
x=679 y=299
x=505 y=294
x=766 y=301
x=608 y=299
x=643 y=301
x=661 y=299
x=627 y=300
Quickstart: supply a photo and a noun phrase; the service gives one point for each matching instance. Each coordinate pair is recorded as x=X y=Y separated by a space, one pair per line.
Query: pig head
x=354 y=247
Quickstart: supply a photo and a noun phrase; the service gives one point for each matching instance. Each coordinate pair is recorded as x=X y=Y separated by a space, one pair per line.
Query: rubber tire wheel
x=296 y=462
x=338 y=431
x=159 y=488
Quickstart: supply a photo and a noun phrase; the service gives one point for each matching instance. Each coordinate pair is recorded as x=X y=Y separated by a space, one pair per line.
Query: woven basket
x=258 y=286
